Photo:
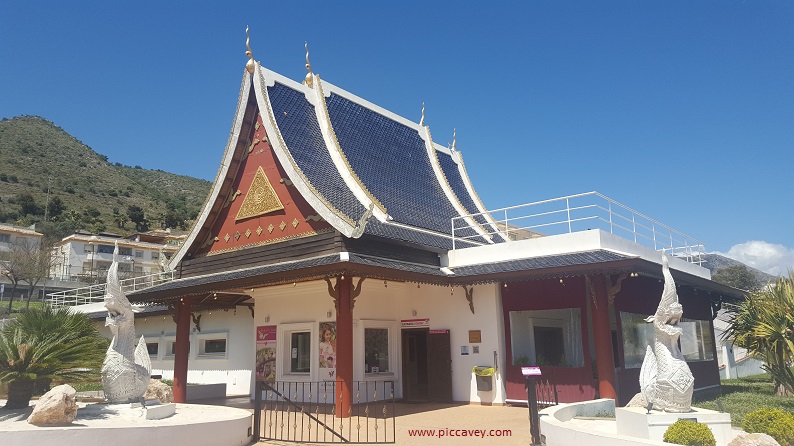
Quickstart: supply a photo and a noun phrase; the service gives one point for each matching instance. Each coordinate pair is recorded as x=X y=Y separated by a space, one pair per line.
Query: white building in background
x=734 y=361
x=86 y=257
x=11 y=236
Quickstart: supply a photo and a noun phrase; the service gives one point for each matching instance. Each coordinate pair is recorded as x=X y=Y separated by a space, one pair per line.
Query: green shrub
x=773 y=422
x=689 y=433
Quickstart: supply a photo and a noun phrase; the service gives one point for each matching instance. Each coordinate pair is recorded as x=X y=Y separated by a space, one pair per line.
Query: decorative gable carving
x=260 y=199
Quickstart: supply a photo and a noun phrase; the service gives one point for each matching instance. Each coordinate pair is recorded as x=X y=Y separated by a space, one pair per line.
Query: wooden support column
x=344 y=296
x=182 y=349
x=344 y=346
x=602 y=334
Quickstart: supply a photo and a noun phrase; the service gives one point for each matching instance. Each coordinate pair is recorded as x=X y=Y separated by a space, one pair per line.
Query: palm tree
x=45 y=344
x=764 y=325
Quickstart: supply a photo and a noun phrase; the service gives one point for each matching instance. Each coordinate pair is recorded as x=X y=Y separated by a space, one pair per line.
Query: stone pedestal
x=636 y=422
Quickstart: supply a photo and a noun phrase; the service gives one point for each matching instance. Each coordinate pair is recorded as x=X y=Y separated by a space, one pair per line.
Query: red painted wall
x=295 y=207
x=573 y=383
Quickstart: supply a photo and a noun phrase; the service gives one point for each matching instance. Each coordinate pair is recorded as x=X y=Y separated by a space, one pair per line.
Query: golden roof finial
x=422 y=122
x=249 y=66
x=309 y=79
x=454 y=138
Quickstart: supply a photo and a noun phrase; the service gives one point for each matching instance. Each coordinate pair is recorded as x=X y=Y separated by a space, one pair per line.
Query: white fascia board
x=228 y=154
x=441 y=178
x=575 y=242
x=335 y=151
x=263 y=79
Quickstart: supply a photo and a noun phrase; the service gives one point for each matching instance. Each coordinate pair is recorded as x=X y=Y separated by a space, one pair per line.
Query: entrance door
x=414 y=346
x=427 y=365
x=439 y=364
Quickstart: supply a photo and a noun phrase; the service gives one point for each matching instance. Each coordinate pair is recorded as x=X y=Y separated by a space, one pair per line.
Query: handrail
x=96 y=293
x=579 y=212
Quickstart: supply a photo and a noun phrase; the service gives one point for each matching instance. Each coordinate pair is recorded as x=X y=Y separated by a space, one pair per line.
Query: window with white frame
x=170 y=344
x=376 y=350
x=213 y=345
x=153 y=347
x=379 y=347
x=297 y=347
x=155 y=255
x=139 y=254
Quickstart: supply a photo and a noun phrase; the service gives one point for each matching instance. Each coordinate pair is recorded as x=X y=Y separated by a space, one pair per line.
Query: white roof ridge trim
x=316 y=200
x=474 y=197
x=453 y=199
x=349 y=176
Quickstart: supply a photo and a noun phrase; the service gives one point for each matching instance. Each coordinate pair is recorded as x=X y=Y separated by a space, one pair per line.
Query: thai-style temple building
x=340 y=242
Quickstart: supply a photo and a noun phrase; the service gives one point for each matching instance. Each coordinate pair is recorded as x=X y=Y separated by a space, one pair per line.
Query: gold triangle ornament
x=260 y=199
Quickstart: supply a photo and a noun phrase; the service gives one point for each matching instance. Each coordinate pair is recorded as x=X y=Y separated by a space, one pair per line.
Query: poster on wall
x=266 y=353
x=327 y=351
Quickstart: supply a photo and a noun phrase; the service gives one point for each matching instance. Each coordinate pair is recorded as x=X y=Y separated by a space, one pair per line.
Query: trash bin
x=484 y=377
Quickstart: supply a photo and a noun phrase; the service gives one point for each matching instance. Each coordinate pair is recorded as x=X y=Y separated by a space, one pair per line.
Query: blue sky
x=681 y=110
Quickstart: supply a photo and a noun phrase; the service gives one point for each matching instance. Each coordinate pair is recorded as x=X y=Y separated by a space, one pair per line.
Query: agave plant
x=45 y=344
x=764 y=325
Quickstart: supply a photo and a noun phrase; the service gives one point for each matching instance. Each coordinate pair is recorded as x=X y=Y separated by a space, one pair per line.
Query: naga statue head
x=670 y=310
x=120 y=311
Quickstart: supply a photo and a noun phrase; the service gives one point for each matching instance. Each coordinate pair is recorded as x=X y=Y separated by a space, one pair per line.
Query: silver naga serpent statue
x=127 y=367
x=665 y=378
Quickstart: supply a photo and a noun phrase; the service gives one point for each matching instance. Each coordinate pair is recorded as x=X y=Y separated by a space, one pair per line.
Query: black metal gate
x=302 y=411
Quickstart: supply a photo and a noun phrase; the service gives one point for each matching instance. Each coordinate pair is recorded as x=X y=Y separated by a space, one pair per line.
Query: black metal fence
x=306 y=412
x=546 y=393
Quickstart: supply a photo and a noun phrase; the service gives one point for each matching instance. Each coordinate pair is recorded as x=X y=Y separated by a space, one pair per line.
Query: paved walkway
x=441 y=424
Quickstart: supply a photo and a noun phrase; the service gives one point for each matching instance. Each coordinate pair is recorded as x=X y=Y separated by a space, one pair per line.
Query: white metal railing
x=96 y=293
x=580 y=212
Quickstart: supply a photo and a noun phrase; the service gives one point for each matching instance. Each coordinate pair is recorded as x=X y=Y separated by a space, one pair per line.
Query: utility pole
x=47 y=205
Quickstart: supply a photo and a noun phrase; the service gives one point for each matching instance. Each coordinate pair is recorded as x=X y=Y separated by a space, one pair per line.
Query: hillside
x=715 y=262
x=94 y=194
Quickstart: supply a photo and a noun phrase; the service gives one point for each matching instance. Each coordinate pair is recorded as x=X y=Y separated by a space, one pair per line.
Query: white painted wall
x=305 y=305
x=234 y=369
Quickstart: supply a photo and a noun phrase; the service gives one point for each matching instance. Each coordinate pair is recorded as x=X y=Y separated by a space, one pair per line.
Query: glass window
x=300 y=352
x=107 y=249
x=172 y=351
x=123 y=251
x=88 y=247
x=139 y=254
x=376 y=350
x=213 y=346
x=547 y=337
x=5 y=238
x=637 y=336
x=153 y=348
x=155 y=255
x=697 y=340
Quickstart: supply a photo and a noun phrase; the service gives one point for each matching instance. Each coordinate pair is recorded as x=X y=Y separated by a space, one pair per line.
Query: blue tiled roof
x=391 y=160
x=455 y=181
x=297 y=121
